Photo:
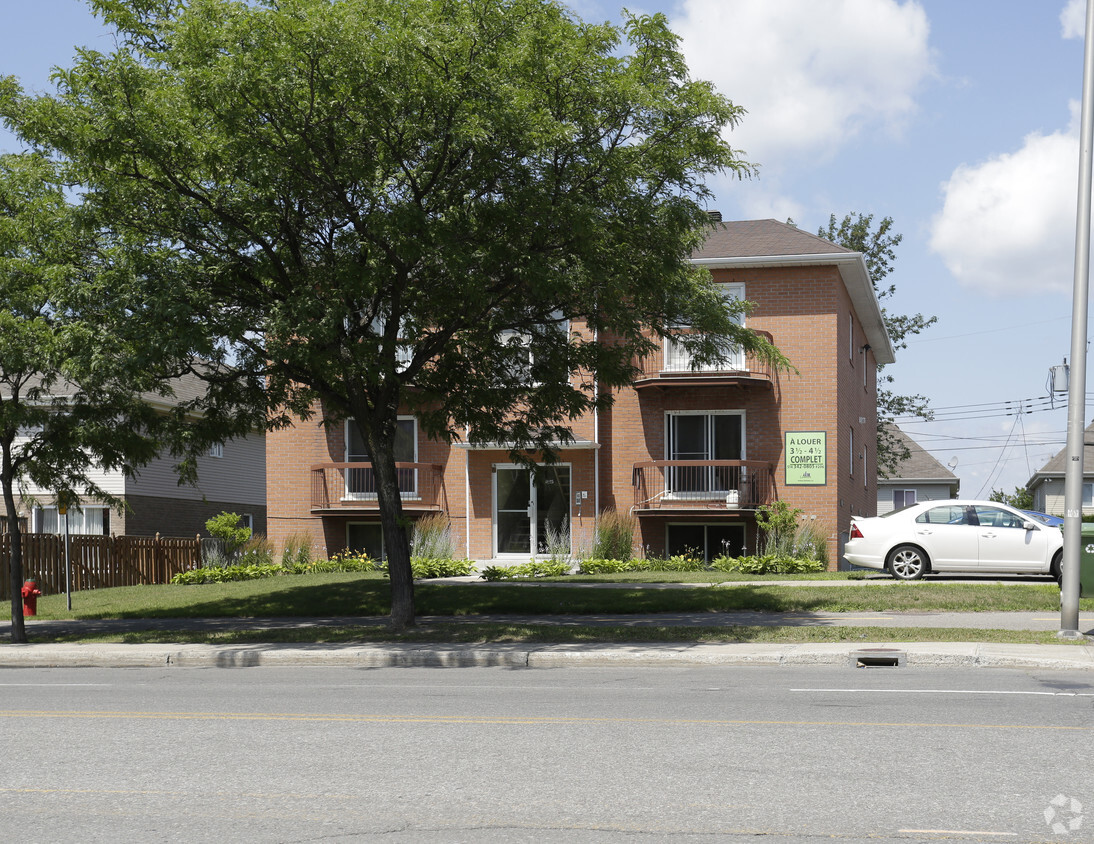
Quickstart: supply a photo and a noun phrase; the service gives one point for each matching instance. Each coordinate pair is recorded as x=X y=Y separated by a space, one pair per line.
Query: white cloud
x=812 y=73
x=1073 y=19
x=1007 y=225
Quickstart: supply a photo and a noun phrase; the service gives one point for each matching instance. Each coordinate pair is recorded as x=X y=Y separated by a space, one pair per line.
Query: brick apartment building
x=690 y=453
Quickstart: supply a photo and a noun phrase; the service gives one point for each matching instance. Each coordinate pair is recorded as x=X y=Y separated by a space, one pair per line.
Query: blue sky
x=957 y=118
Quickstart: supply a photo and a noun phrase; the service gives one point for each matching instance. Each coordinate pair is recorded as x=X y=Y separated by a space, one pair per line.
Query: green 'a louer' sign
x=806 y=458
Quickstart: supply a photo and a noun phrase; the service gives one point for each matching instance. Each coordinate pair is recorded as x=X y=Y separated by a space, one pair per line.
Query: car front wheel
x=906 y=562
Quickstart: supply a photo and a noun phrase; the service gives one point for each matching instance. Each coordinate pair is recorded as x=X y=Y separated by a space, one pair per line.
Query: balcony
x=664 y=486
x=670 y=366
x=342 y=487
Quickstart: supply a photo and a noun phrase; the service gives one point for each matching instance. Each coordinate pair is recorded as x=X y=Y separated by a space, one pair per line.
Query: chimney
x=715 y=216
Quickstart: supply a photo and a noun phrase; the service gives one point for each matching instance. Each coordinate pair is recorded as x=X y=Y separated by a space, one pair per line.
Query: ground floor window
x=88 y=521
x=706 y=541
x=366 y=537
x=903 y=498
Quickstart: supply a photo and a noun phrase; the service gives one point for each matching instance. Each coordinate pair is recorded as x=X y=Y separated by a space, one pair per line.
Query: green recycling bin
x=1086 y=560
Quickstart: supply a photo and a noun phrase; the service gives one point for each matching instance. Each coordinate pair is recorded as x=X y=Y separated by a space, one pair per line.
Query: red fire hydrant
x=30 y=598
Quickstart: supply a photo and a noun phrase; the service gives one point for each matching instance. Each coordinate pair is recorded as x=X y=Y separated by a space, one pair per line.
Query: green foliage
x=767 y=564
x=255 y=570
x=296 y=550
x=424 y=568
x=533 y=568
x=431 y=538
x=226 y=527
x=557 y=540
x=363 y=200
x=224 y=574
x=1021 y=498
x=678 y=562
x=779 y=524
x=614 y=536
x=594 y=565
x=878 y=248
x=256 y=551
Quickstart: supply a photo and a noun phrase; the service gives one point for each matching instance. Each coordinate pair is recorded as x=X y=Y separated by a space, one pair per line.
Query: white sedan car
x=967 y=536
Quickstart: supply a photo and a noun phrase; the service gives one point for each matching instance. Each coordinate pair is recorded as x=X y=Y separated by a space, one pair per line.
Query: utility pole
x=1076 y=402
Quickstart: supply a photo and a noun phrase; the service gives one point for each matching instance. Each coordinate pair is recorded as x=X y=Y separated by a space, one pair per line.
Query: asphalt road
x=500 y=755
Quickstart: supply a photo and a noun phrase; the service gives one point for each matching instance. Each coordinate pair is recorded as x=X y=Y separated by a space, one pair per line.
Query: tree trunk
x=396 y=540
x=15 y=560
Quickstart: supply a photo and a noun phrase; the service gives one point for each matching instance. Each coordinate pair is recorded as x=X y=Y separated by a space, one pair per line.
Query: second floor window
x=361 y=481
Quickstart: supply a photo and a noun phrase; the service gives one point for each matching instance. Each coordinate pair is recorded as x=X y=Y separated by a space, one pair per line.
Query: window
x=851 y=448
x=678 y=359
x=704 y=436
x=903 y=498
x=216 y=450
x=948 y=514
x=524 y=366
x=361 y=482
x=87 y=521
x=707 y=542
x=1088 y=495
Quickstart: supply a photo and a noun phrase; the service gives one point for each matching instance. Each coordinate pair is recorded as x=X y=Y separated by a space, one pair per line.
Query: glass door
x=529 y=509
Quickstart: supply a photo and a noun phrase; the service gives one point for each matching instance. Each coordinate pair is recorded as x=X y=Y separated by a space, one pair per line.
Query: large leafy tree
x=388 y=206
x=878 y=248
x=60 y=400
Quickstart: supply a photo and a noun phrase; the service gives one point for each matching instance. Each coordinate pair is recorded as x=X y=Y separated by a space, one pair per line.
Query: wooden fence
x=99 y=562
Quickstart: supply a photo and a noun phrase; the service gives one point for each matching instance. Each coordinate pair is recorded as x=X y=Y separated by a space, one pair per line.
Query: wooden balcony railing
x=352 y=486
x=702 y=484
x=671 y=364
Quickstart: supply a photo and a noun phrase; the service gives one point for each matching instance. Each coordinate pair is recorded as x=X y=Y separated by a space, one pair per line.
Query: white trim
x=533 y=538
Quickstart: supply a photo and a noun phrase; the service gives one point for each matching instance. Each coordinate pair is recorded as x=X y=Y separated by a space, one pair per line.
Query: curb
x=946 y=654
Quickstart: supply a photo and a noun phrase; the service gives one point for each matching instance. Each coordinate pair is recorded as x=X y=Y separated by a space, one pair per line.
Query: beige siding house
x=231 y=477
x=919 y=478
x=1047 y=483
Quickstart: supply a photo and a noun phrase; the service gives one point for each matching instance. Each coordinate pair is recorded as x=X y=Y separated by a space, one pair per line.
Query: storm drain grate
x=878 y=658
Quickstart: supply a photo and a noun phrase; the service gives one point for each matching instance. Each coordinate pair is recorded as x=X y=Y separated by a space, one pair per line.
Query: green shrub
x=679 y=562
x=225 y=574
x=431 y=538
x=296 y=550
x=557 y=541
x=779 y=524
x=602 y=566
x=614 y=536
x=256 y=551
x=227 y=529
x=767 y=564
x=534 y=568
x=422 y=568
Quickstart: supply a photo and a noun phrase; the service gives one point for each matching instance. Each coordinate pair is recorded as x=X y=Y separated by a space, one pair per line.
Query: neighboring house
x=690 y=453
x=919 y=478
x=231 y=477
x=1047 y=483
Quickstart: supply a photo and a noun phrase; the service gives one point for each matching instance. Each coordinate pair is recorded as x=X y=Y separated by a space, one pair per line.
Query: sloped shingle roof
x=1057 y=466
x=920 y=465
x=754 y=238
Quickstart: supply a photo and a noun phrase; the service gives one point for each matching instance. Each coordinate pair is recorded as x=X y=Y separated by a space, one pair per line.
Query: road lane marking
x=501 y=721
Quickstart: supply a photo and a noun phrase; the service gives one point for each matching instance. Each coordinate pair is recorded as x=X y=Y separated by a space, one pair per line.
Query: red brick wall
x=807 y=311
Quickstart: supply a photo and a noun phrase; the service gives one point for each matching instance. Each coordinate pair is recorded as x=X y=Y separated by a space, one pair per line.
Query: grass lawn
x=334 y=595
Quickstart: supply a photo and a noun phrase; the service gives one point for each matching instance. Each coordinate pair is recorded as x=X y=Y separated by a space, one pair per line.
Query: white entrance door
x=529 y=507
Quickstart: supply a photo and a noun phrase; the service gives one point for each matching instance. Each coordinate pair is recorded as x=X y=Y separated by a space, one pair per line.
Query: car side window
x=994 y=517
x=947 y=515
